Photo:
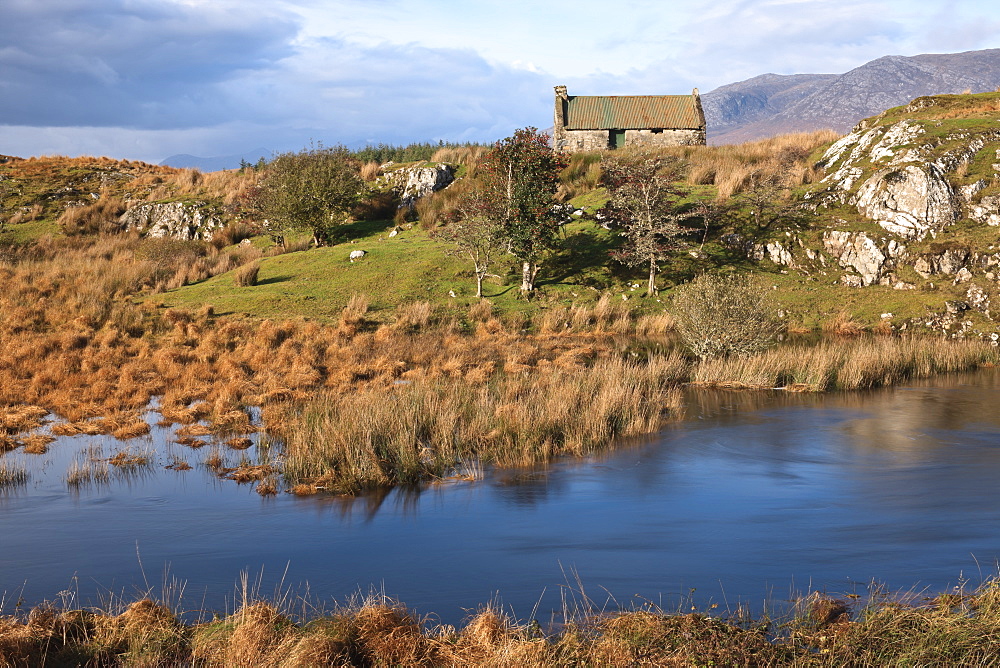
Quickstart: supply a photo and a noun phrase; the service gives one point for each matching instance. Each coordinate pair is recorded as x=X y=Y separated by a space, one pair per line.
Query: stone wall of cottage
x=583 y=140
x=665 y=138
x=571 y=141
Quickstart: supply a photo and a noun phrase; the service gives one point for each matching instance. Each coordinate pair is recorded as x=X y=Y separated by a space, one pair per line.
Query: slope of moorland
x=905 y=218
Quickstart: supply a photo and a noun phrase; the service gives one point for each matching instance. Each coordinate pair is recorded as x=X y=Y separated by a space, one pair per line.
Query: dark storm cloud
x=130 y=63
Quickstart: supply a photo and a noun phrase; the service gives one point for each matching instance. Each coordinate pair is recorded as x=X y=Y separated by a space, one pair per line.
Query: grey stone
x=977 y=298
x=176 y=220
x=412 y=183
x=858 y=251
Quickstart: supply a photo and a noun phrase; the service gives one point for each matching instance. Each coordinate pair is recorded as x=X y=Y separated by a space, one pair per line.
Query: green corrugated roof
x=632 y=112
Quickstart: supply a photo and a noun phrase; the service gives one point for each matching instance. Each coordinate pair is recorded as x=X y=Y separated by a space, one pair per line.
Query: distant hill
x=773 y=104
x=216 y=163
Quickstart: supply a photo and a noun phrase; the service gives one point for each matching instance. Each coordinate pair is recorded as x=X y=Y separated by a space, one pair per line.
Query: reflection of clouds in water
x=918 y=421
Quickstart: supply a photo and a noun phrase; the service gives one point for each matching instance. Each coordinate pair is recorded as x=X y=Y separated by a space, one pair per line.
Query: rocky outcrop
x=873 y=259
x=176 y=220
x=773 y=251
x=987 y=210
x=902 y=177
x=948 y=261
x=911 y=201
x=412 y=183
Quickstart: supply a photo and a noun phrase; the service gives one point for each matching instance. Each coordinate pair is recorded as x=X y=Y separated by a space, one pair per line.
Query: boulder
x=176 y=220
x=948 y=261
x=858 y=251
x=977 y=298
x=911 y=201
x=987 y=211
x=773 y=251
x=412 y=183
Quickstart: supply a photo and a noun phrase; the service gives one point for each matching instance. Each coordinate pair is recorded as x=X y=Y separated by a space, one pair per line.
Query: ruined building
x=594 y=122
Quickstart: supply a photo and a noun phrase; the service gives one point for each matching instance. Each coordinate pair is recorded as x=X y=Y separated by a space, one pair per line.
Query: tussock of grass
x=953 y=629
x=246 y=275
x=12 y=475
x=88 y=472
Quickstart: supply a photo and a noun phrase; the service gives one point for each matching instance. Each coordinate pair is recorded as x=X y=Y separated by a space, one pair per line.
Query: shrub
x=717 y=316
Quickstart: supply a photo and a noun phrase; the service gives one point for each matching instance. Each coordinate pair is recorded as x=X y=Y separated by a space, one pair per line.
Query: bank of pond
x=712 y=534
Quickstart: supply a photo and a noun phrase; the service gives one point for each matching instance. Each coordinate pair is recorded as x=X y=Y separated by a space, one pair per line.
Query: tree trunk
x=651 y=288
x=479 y=285
x=528 y=272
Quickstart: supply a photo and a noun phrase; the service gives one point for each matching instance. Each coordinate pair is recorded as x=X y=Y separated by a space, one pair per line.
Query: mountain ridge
x=772 y=104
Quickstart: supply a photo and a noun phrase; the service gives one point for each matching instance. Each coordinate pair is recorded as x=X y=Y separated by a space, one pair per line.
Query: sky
x=145 y=79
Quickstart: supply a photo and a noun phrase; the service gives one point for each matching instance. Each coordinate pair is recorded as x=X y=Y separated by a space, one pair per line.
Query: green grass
x=22 y=233
x=412 y=266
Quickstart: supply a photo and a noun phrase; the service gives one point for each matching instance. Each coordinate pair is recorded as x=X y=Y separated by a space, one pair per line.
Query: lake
x=753 y=497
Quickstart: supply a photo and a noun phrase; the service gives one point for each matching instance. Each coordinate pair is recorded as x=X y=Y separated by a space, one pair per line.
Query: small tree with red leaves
x=519 y=178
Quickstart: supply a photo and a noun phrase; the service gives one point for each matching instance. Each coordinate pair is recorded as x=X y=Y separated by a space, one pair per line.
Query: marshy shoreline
x=960 y=627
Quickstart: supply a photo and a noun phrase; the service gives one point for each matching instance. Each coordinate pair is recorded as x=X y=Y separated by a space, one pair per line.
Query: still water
x=753 y=497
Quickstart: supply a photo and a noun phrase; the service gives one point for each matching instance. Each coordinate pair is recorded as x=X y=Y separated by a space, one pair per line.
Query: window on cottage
x=657 y=131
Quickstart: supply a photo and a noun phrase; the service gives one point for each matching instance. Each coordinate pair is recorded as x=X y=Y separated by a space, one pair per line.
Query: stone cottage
x=595 y=122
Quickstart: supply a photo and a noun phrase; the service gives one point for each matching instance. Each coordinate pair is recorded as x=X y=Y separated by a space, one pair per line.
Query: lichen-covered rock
x=911 y=201
x=858 y=251
x=773 y=251
x=412 y=183
x=978 y=299
x=987 y=210
x=948 y=261
x=176 y=220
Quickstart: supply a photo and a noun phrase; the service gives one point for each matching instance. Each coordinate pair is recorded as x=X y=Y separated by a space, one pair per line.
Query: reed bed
x=853 y=364
x=12 y=475
x=961 y=628
x=429 y=427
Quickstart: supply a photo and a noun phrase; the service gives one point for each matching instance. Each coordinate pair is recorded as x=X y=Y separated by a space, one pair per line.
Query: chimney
x=559 y=118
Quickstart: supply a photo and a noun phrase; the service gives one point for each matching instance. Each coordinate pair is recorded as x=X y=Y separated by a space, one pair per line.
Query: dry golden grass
x=98 y=217
x=955 y=629
x=732 y=168
x=846 y=364
x=842 y=324
x=37 y=444
x=12 y=475
x=432 y=425
x=246 y=275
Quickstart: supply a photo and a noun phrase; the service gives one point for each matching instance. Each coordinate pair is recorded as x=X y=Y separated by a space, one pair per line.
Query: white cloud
x=146 y=78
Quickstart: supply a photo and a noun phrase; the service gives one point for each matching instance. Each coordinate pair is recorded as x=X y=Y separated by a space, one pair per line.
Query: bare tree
x=477 y=237
x=646 y=204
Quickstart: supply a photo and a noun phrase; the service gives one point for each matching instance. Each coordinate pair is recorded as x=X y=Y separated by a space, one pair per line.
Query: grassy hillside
x=416 y=266
x=412 y=266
